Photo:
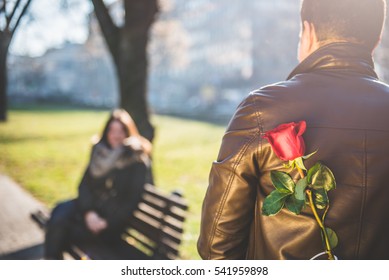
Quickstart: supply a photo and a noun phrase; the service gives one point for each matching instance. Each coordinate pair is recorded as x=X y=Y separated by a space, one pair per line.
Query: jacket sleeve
x=85 y=197
x=229 y=203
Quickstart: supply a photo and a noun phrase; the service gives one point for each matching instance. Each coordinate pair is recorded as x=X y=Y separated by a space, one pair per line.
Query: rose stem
x=328 y=247
x=301 y=172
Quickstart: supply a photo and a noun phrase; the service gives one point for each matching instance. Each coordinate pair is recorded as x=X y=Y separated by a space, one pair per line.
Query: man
x=336 y=91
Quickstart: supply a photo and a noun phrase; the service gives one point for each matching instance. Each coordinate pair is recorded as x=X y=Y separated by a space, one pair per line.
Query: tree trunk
x=4 y=45
x=10 y=20
x=132 y=74
x=128 y=47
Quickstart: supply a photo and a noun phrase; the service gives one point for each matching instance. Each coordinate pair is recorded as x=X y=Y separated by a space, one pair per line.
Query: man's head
x=358 y=21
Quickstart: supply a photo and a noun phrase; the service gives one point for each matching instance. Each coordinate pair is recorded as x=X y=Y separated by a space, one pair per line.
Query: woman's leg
x=58 y=229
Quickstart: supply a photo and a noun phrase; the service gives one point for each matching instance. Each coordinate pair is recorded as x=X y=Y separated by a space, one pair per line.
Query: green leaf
x=274 y=202
x=282 y=181
x=320 y=176
x=312 y=171
x=299 y=162
x=332 y=237
x=294 y=205
x=300 y=189
x=320 y=198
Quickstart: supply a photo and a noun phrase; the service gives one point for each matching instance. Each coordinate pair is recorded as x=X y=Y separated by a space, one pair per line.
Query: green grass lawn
x=47 y=150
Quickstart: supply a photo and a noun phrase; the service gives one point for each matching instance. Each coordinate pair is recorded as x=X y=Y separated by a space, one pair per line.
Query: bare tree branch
x=2 y=8
x=20 y=16
x=9 y=18
x=108 y=27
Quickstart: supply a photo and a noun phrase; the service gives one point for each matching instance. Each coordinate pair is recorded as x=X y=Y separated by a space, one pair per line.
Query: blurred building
x=206 y=54
x=69 y=75
x=208 y=50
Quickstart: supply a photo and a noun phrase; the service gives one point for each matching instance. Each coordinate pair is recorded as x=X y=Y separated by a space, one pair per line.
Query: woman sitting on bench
x=109 y=191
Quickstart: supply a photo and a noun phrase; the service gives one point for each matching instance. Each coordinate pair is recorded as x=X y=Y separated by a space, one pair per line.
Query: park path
x=20 y=237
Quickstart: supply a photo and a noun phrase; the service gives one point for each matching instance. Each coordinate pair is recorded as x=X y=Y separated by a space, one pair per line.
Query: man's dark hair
x=359 y=21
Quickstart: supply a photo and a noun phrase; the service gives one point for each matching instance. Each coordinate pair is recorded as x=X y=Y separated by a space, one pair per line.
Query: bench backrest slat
x=153 y=229
x=175 y=200
x=169 y=220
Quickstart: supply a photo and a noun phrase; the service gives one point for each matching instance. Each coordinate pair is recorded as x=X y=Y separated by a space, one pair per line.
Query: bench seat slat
x=137 y=239
x=165 y=245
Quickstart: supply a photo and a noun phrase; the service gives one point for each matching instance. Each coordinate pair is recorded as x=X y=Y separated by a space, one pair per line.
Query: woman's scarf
x=105 y=159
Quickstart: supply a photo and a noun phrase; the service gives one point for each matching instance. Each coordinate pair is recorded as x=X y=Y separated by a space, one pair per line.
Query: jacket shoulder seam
x=260 y=126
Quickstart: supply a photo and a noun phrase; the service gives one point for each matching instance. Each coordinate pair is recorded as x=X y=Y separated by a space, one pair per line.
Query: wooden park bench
x=154 y=232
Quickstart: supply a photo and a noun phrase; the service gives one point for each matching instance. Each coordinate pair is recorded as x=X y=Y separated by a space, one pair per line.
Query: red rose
x=286 y=140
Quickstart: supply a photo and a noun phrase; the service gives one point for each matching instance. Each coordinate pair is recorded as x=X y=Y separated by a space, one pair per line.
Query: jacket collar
x=338 y=56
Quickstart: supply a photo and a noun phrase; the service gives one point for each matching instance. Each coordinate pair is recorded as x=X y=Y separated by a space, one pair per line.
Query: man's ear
x=308 y=41
x=310 y=32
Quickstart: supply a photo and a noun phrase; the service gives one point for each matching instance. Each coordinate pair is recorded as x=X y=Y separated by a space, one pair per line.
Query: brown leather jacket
x=336 y=91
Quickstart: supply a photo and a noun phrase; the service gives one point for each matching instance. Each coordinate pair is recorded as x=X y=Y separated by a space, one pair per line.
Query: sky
x=47 y=26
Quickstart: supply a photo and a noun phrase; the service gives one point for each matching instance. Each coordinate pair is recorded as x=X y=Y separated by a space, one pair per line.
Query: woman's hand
x=94 y=222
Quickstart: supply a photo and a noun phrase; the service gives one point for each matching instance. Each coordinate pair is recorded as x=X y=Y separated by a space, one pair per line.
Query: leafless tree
x=11 y=13
x=127 y=44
